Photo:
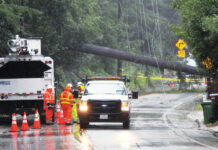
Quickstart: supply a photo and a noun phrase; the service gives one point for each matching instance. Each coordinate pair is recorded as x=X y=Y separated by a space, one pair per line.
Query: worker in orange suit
x=66 y=100
x=49 y=104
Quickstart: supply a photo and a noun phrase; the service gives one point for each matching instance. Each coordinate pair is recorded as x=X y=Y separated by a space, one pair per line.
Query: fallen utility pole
x=155 y=62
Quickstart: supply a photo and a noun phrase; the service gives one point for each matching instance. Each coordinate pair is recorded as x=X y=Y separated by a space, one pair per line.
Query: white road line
x=176 y=130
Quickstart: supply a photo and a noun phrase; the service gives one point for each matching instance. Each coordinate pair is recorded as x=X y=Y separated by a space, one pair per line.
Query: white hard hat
x=49 y=87
x=69 y=84
x=79 y=83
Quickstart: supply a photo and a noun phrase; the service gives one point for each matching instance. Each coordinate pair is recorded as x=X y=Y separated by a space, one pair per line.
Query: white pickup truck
x=106 y=99
x=24 y=77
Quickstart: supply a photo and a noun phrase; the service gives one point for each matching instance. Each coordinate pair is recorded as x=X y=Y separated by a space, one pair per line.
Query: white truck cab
x=105 y=100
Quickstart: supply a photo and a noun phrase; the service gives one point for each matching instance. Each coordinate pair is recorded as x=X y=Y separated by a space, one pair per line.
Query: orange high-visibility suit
x=48 y=99
x=66 y=100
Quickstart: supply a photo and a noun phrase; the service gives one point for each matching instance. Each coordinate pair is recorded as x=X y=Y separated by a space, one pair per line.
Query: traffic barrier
x=14 y=124
x=36 y=124
x=24 y=126
x=58 y=112
x=61 y=119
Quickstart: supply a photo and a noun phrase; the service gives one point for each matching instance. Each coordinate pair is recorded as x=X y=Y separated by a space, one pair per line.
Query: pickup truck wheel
x=126 y=124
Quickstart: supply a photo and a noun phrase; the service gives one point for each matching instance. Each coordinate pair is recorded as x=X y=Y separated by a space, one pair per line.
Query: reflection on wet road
x=158 y=121
x=48 y=137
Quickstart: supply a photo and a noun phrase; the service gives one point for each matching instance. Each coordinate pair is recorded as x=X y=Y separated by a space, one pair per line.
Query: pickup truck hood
x=105 y=97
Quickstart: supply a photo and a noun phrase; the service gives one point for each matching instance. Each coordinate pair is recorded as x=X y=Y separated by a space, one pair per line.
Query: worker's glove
x=51 y=106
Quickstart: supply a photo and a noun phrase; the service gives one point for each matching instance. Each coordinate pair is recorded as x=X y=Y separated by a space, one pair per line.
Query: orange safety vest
x=66 y=98
x=48 y=98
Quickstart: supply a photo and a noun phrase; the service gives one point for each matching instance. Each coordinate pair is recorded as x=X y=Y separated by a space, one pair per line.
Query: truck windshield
x=105 y=88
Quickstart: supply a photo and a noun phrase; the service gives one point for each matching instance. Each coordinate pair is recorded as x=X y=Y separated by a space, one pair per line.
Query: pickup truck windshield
x=105 y=88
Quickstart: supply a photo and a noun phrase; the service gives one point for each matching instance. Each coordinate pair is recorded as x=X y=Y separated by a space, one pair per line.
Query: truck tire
x=126 y=124
x=84 y=124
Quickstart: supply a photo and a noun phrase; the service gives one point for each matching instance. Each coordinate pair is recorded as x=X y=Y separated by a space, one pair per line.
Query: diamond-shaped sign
x=208 y=64
x=181 y=54
x=180 y=44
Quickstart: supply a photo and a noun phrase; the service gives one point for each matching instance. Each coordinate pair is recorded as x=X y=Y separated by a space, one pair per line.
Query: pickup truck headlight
x=124 y=106
x=83 y=106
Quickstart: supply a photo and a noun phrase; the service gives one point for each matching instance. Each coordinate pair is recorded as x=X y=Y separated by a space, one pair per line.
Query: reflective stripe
x=14 y=122
x=65 y=102
x=64 y=98
x=50 y=99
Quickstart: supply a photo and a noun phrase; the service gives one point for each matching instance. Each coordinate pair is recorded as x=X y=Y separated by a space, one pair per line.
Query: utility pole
x=120 y=13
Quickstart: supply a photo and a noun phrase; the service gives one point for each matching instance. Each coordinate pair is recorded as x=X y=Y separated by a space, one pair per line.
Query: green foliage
x=199 y=28
x=65 y=25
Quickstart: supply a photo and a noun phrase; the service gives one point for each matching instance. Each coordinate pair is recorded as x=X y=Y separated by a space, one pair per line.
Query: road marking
x=176 y=131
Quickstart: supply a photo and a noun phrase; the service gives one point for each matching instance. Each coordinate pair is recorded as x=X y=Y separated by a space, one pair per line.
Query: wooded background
x=146 y=27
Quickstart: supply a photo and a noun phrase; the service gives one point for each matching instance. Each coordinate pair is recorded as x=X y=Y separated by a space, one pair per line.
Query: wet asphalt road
x=158 y=121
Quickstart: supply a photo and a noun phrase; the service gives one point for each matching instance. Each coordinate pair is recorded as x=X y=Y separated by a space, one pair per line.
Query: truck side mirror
x=76 y=94
x=135 y=94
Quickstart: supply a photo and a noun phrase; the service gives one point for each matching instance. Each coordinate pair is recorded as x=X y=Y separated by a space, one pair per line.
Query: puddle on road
x=50 y=137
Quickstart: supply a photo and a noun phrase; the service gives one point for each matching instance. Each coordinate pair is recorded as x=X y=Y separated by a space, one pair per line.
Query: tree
x=199 y=29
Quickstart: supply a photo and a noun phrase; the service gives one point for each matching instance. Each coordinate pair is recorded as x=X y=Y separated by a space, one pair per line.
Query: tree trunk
x=145 y=60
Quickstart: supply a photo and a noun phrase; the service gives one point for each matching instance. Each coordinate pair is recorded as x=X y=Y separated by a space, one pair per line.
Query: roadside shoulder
x=197 y=116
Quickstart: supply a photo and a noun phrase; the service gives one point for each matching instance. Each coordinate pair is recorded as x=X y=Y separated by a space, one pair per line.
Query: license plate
x=103 y=116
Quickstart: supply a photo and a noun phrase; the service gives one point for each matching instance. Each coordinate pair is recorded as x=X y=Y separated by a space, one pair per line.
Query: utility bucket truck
x=24 y=76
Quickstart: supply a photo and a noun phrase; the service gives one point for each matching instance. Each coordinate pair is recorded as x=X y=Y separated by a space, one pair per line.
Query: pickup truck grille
x=106 y=106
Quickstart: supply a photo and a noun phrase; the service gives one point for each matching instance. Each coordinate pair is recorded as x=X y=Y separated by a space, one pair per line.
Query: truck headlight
x=124 y=106
x=83 y=106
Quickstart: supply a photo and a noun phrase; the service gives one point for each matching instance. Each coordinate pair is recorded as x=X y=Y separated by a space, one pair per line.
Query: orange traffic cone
x=36 y=124
x=14 y=124
x=58 y=112
x=24 y=126
x=61 y=119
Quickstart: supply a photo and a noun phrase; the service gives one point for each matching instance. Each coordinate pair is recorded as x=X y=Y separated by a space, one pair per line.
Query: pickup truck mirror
x=76 y=94
x=135 y=94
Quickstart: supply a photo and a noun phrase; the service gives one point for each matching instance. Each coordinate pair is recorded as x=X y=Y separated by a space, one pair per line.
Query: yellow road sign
x=181 y=54
x=207 y=63
x=180 y=44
